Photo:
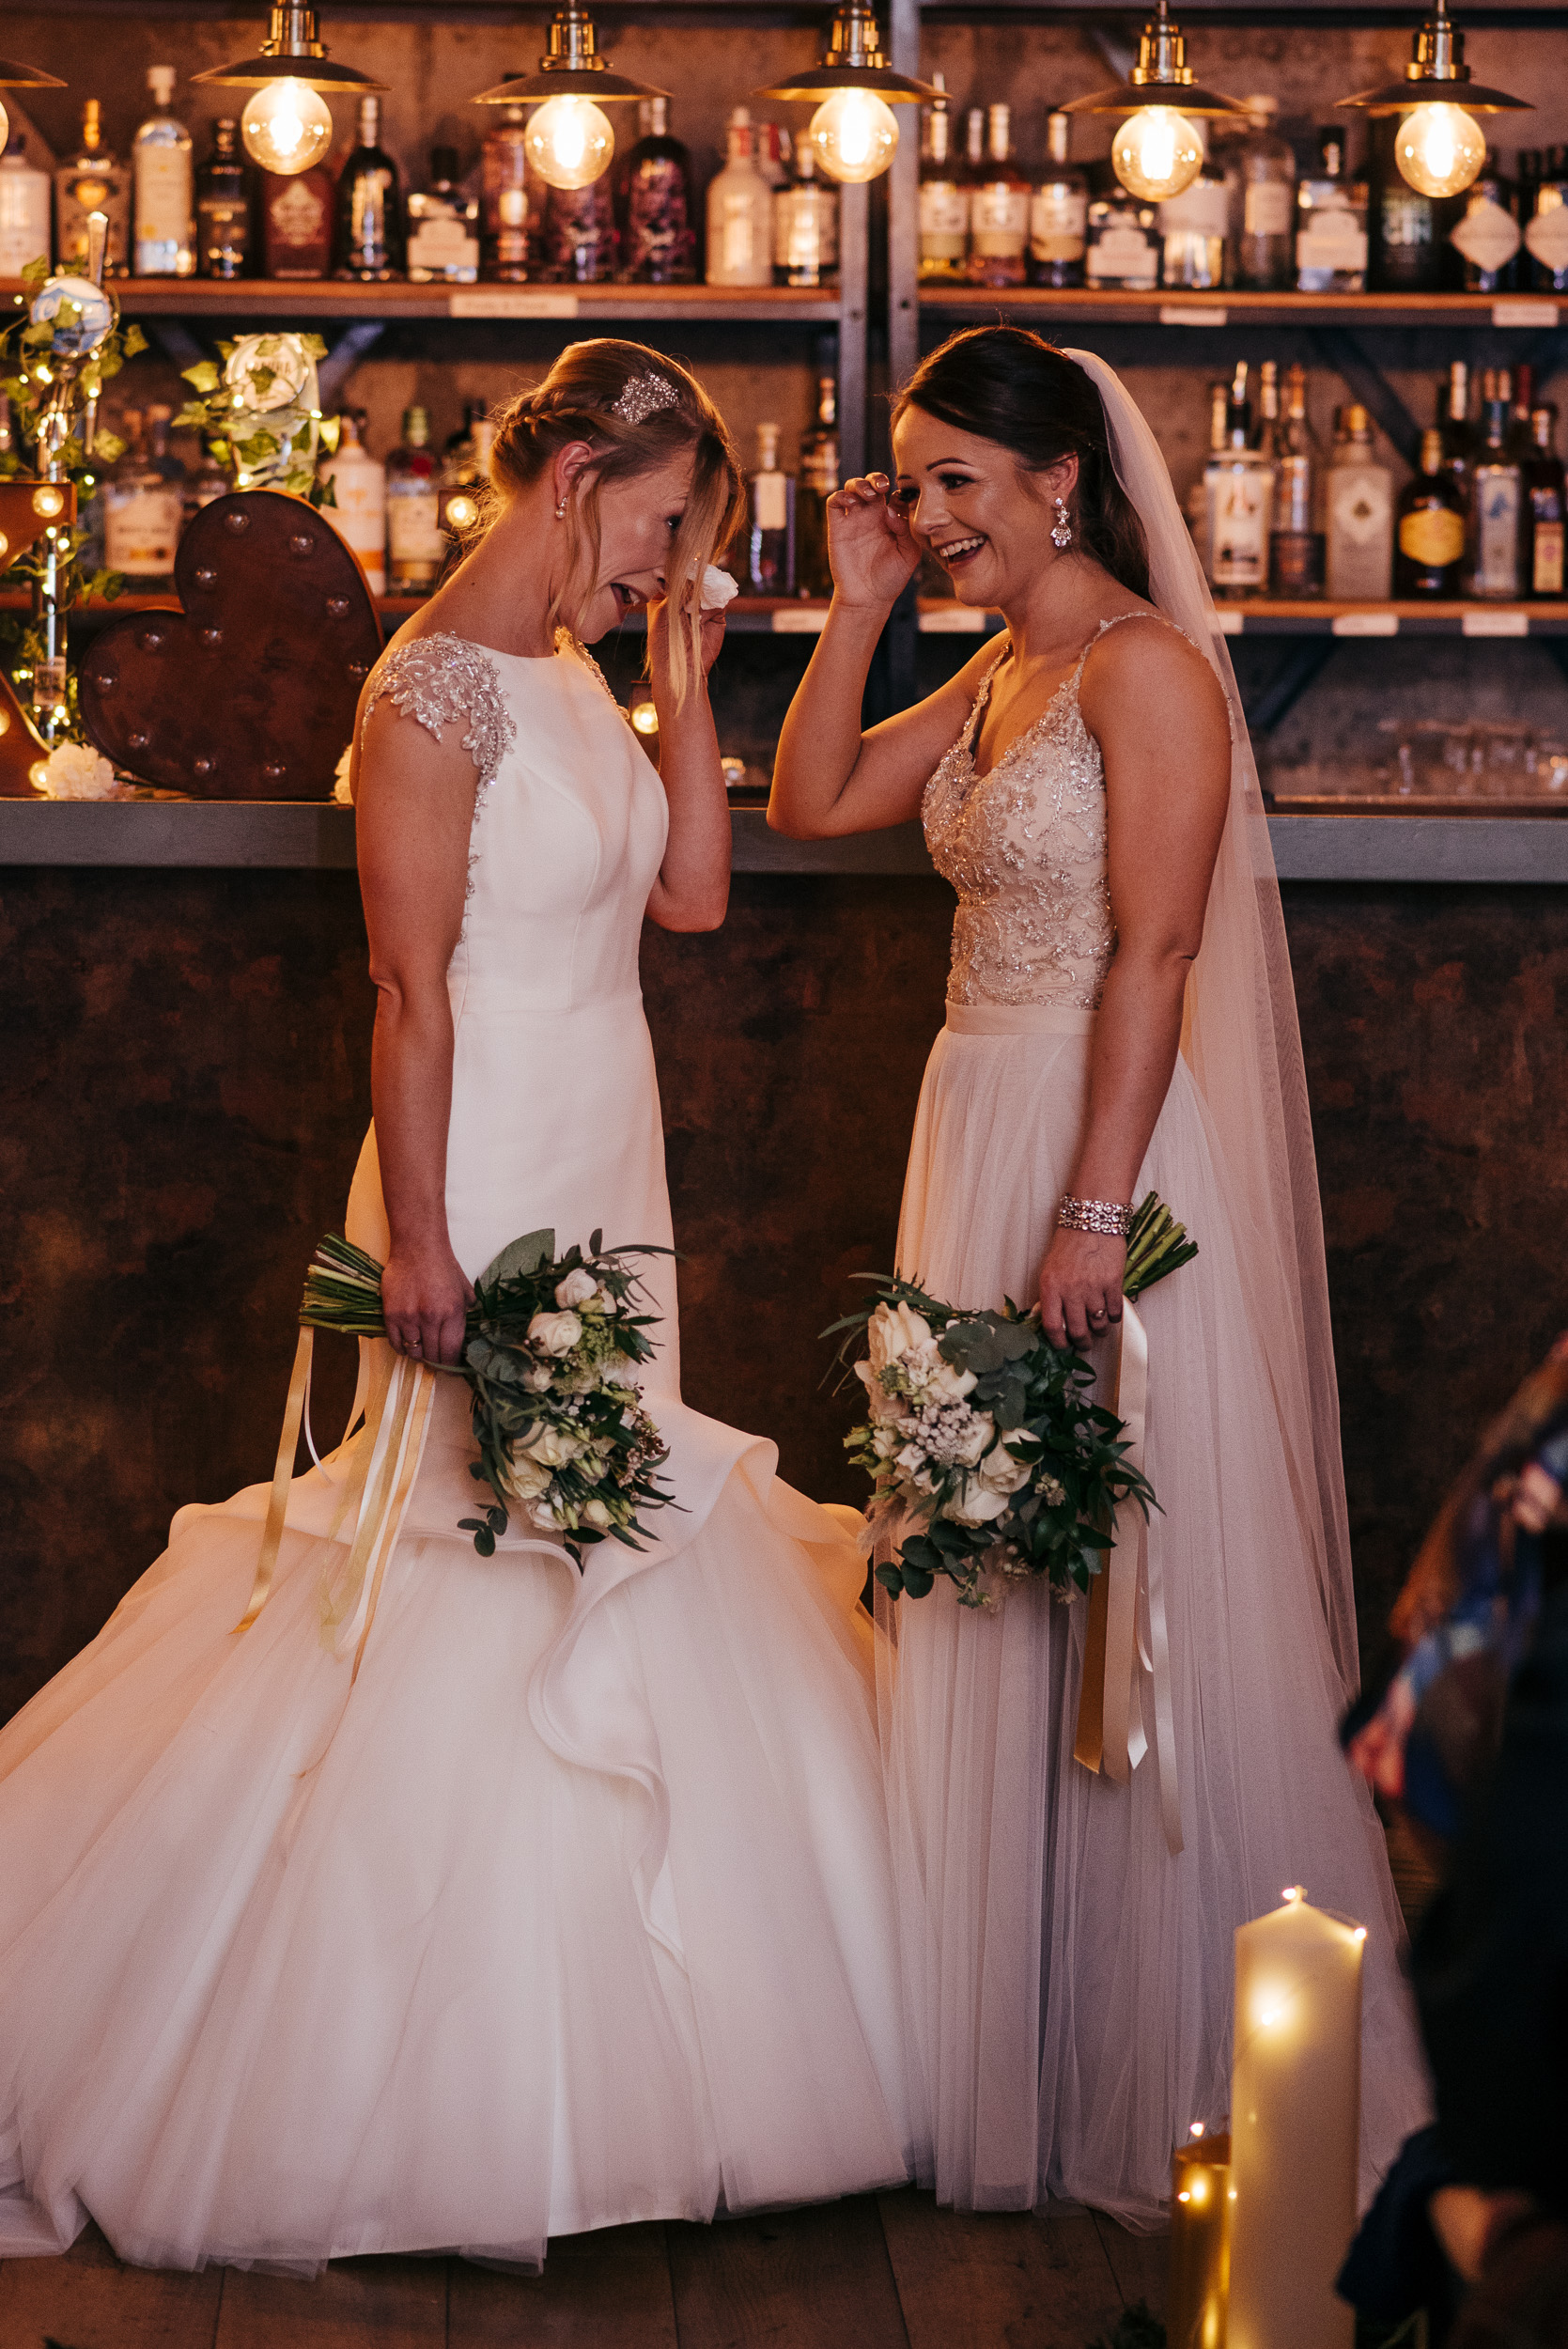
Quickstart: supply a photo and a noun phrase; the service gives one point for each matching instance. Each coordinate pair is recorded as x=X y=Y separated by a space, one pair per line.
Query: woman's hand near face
x=870 y=545
x=659 y=644
x=1080 y=1285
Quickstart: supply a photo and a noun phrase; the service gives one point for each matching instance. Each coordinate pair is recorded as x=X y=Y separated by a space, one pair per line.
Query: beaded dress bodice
x=1024 y=845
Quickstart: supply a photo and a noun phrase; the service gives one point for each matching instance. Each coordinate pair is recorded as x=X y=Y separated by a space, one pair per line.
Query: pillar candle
x=1295 y=2123
x=1199 y=2242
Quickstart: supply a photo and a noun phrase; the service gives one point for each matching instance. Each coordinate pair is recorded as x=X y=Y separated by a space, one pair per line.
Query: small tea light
x=1198 y=2288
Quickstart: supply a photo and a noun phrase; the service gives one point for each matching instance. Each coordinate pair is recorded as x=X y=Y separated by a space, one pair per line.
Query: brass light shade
x=1161 y=77
x=13 y=76
x=292 y=52
x=854 y=61
x=571 y=67
x=1436 y=75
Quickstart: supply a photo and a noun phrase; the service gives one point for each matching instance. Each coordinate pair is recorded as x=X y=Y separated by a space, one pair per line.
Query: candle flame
x=1197 y=2129
x=1292 y=1894
x=1360 y=1934
x=1184 y=2198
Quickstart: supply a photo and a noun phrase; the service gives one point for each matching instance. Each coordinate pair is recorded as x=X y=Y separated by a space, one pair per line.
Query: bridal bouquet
x=981 y=1431
x=551 y=1346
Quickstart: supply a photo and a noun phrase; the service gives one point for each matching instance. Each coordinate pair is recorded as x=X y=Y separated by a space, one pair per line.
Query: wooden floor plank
x=609 y=2290
x=814 y=2278
x=1140 y=2262
x=998 y=2280
x=86 y=2300
x=357 y=2304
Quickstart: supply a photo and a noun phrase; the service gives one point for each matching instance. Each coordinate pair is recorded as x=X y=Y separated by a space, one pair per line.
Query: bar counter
x=186 y=1082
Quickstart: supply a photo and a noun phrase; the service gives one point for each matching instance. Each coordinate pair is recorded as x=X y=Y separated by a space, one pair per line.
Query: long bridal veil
x=1243 y=1045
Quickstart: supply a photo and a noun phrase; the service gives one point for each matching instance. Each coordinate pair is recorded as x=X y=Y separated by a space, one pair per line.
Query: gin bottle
x=1239 y=480
x=1359 y=515
x=944 y=199
x=164 y=232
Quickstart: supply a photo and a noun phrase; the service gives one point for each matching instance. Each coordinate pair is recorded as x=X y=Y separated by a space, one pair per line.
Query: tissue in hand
x=718 y=588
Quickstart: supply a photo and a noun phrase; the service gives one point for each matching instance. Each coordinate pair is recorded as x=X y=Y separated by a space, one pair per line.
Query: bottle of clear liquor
x=358 y=511
x=163 y=241
x=369 y=241
x=1487 y=234
x=1058 y=212
x=1330 y=223
x=143 y=502
x=1495 y=500
x=224 y=207
x=1545 y=509
x=1360 y=513
x=771 y=547
x=944 y=198
x=1192 y=226
x=805 y=226
x=1239 y=480
x=91 y=181
x=1263 y=223
x=999 y=209
x=818 y=480
x=739 y=212
x=1297 y=546
x=443 y=228
x=415 y=547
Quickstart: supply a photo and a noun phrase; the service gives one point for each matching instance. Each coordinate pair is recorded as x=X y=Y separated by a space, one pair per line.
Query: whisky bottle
x=805 y=226
x=505 y=242
x=144 y=501
x=369 y=244
x=771 y=544
x=1429 y=539
x=358 y=511
x=1545 y=511
x=817 y=482
x=944 y=199
x=91 y=181
x=999 y=209
x=443 y=228
x=1239 y=480
x=415 y=548
x=1331 y=223
x=163 y=229
x=1058 y=212
x=224 y=207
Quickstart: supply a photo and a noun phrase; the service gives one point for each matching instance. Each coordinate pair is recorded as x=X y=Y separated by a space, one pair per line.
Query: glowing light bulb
x=645 y=718
x=571 y=142
x=1156 y=153
x=462 y=512
x=1440 y=149
x=5 y=129
x=854 y=135
x=286 y=127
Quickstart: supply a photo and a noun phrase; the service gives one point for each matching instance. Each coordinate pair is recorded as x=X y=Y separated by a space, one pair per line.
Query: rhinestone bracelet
x=1095 y=1215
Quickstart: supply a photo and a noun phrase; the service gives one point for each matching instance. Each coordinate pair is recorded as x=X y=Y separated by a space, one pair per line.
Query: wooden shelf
x=1170 y=307
x=1274 y=616
x=291 y=300
x=749 y=615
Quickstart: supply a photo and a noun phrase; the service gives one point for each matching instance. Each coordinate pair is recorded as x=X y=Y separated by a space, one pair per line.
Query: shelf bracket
x=1341 y=351
x=1304 y=661
x=345 y=356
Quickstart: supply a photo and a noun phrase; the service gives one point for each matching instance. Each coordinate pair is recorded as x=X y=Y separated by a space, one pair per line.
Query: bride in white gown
x=575 y=1907
x=1088 y=788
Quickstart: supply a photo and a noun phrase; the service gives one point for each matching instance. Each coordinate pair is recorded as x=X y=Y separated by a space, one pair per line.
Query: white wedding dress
x=1067 y=1981
x=576 y=1907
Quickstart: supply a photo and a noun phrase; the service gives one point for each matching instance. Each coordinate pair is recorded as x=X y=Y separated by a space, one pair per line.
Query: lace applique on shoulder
x=440 y=680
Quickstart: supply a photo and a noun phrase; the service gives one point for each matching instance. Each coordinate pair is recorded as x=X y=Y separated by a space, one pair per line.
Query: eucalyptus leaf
x=518 y=1258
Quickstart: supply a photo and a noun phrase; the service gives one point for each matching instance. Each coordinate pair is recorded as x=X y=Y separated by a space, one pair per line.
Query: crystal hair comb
x=644 y=397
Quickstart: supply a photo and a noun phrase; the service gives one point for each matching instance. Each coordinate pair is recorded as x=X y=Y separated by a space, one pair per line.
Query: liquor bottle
x=1409 y=248
x=659 y=237
x=506 y=241
x=1198 y=496
x=358 y=513
x=369 y=244
x=771 y=547
x=224 y=207
x=1497 y=499
x=1546 y=230
x=164 y=234
x=944 y=198
x=23 y=210
x=770 y=147
x=142 y=501
x=1192 y=226
x=1545 y=510
x=581 y=243
x=1359 y=501
x=443 y=228
x=1263 y=230
x=1239 y=480
x=818 y=480
x=296 y=223
x=739 y=213
x=1453 y=422
x=1121 y=242
x=1297 y=542
x=1487 y=234
x=805 y=226
x=465 y=473
x=1331 y=223
x=1429 y=542
x=1518 y=385
x=415 y=548
x=999 y=209
x=91 y=181
x=1058 y=212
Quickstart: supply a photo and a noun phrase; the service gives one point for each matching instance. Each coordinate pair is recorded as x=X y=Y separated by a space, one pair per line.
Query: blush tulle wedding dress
x=577 y=1908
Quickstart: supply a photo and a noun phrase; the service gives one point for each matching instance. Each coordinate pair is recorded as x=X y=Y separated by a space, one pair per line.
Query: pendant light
x=1157 y=153
x=570 y=140
x=287 y=125
x=23 y=77
x=1439 y=146
x=854 y=132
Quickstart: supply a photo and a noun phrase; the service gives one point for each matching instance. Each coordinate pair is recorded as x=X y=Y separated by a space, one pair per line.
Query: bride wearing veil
x=1087 y=1799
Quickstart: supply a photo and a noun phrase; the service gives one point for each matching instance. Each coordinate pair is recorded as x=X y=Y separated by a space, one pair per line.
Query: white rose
x=526 y=1479
x=552 y=1448
x=554 y=1333
x=72 y=770
x=948 y=1385
x=595 y=1513
x=978 y=1505
x=576 y=1289
x=895 y=1331
x=912 y=1459
x=1002 y=1472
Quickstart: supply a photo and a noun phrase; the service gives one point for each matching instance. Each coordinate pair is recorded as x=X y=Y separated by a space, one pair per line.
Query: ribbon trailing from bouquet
x=1127 y=1639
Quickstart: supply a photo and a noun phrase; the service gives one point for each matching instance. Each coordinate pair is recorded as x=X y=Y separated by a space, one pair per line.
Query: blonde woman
x=575 y=1908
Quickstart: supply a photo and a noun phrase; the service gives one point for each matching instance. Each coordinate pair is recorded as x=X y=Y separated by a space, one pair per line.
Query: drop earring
x=1061 y=529
x=560 y=511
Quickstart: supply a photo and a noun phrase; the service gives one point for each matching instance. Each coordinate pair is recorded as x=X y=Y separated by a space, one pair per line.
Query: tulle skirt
x=1068 y=1983
x=287 y=1972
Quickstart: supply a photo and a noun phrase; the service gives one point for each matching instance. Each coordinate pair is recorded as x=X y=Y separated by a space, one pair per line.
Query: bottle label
x=1266 y=208
x=805 y=231
x=1488 y=236
x=1547 y=234
x=446 y=247
x=1407 y=218
x=739 y=252
x=1332 y=237
x=770 y=501
x=1359 y=508
x=945 y=209
x=999 y=220
x=1433 y=536
x=1546 y=560
x=1297 y=560
x=23 y=220
x=1199 y=211
x=141 y=528
x=1497 y=545
x=162 y=195
x=1057 y=219
x=1239 y=516
x=1124 y=256
x=413 y=532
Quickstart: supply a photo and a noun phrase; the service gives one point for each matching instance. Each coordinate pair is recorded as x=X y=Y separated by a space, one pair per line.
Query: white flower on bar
x=72 y=770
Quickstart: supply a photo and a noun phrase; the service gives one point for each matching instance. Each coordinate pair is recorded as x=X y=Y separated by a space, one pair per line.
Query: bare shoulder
x=1145 y=674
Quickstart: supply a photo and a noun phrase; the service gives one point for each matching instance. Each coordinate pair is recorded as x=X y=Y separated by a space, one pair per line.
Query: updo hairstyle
x=575 y=403
x=1008 y=386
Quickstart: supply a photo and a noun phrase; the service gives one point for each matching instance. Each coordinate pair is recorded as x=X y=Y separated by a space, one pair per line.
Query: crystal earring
x=1061 y=529
x=560 y=511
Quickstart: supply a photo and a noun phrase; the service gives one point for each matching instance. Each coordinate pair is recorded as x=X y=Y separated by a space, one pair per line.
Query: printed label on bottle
x=1239 y=516
x=1266 y=208
x=49 y=683
x=805 y=231
x=141 y=529
x=999 y=220
x=1124 y=256
x=1433 y=536
x=1057 y=219
x=1488 y=236
x=1546 y=559
x=444 y=245
x=23 y=220
x=1297 y=558
x=770 y=501
x=1201 y=210
x=1407 y=218
x=1496 y=538
x=413 y=532
x=1547 y=233
x=738 y=236
x=162 y=195
x=945 y=209
x=1359 y=508
x=1332 y=238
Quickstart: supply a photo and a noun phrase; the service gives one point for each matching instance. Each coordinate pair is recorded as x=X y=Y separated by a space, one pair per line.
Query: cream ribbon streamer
x=1117 y=1656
